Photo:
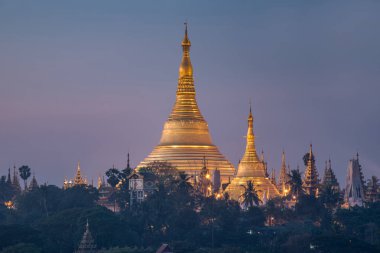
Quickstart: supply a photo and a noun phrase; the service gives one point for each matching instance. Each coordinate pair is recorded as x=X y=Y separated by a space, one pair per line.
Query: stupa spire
x=186 y=82
x=253 y=169
x=283 y=184
x=247 y=165
x=9 y=181
x=128 y=162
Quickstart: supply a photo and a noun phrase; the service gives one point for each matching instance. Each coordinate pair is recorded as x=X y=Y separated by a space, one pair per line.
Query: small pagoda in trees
x=87 y=244
x=284 y=178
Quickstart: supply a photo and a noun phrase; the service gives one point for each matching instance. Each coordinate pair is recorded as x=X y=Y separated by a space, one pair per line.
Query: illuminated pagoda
x=78 y=180
x=329 y=178
x=311 y=181
x=284 y=178
x=251 y=168
x=87 y=244
x=185 y=138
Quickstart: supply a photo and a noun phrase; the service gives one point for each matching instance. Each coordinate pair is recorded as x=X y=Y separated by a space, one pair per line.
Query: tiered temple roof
x=329 y=178
x=311 y=181
x=87 y=244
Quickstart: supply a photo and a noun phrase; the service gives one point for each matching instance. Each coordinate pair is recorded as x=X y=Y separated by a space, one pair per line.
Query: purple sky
x=93 y=80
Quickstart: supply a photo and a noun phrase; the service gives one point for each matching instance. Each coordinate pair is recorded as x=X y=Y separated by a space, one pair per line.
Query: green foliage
x=250 y=196
x=113 y=176
x=306 y=157
x=49 y=219
x=22 y=248
x=15 y=234
x=128 y=250
x=24 y=174
x=6 y=190
x=295 y=182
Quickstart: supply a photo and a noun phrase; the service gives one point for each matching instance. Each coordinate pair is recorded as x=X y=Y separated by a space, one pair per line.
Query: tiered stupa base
x=190 y=159
x=262 y=185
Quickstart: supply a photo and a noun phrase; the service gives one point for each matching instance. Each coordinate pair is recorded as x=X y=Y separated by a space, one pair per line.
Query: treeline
x=50 y=219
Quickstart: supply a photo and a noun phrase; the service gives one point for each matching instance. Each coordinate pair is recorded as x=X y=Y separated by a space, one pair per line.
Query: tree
x=250 y=196
x=305 y=158
x=295 y=183
x=113 y=176
x=373 y=189
x=182 y=183
x=329 y=196
x=6 y=190
x=24 y=174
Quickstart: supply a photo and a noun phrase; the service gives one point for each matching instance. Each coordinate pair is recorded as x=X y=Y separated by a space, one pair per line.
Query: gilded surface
x=251 y=169
x=185 y=139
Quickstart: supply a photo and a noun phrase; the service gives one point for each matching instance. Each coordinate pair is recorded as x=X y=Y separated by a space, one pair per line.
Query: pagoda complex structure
x=251 y=168
x=354 y=194
x=329 y=179
x=311 y=181
x=78 y=180
x=186 y=139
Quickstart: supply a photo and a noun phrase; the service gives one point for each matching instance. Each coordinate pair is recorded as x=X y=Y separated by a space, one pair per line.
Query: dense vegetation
x=50 y=219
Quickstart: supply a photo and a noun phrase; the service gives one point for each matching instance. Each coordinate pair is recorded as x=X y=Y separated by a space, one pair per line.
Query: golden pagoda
x=185 y=139
x=251 y=168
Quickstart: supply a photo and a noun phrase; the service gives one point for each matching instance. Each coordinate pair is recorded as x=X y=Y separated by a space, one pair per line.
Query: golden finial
x=311 y=152
x=186 y=69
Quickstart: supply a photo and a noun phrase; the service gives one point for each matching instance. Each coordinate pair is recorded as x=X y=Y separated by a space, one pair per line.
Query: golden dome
x=185 y=139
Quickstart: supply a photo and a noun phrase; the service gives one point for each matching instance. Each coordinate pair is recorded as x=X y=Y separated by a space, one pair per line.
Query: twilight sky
x=93 y=80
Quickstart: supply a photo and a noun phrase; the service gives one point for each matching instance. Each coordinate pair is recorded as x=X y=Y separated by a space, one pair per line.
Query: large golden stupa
x=186 y=142
x=251 y=168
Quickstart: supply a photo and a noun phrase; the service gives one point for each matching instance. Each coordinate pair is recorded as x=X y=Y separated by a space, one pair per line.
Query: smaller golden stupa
x=251 y=168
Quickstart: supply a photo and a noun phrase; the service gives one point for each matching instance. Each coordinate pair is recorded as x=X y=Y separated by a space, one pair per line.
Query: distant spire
x=283 y=183
x=9 y=181
x=128 y=165
x=33 y=184
x=100 y=183
x=311 y=152
x=273 y=176
x=16 y=183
